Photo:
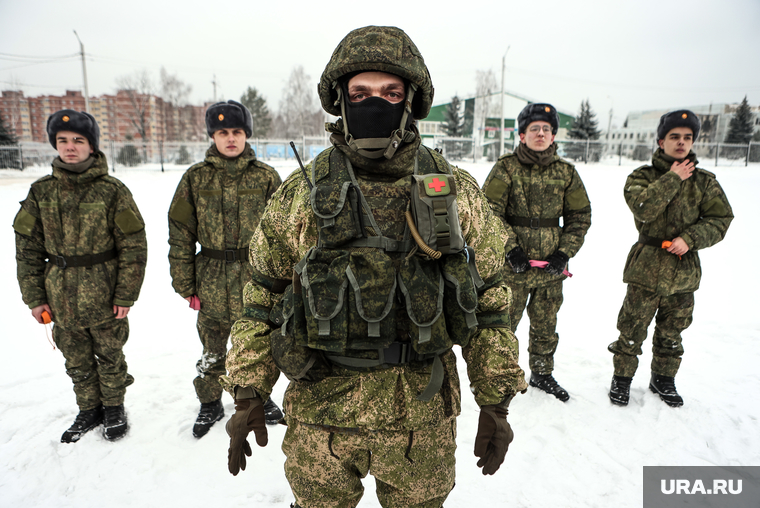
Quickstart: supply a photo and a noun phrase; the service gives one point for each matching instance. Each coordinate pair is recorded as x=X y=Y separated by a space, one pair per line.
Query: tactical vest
x=350 y=290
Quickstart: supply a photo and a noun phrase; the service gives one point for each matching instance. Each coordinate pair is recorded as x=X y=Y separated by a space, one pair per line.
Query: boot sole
x=561 y=399
x=118 y=436
x=81 y=433
x=618 y=402
x=662 y=397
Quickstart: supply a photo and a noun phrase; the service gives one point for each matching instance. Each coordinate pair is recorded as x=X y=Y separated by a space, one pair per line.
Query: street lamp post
x=501 y=125
x=84 y=76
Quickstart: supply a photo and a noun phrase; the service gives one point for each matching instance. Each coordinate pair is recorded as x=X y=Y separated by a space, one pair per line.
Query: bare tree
x=174 y=93
x=297 y=106
x=138 y=89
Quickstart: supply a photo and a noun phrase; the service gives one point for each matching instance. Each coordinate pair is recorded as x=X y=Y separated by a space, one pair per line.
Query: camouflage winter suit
x=545 y=192
x=217 y=204
x=665 y=207
x=352 y=421
x=68 y=214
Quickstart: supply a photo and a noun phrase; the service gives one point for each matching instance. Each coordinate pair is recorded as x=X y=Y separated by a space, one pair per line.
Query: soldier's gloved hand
x=557 y=263
x=493 y=438
x=518 y=260
x=249 y=416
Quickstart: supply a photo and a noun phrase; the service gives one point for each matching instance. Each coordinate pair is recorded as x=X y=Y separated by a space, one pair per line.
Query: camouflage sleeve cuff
x=37 y=303
x=185 y=294
x=686 y=237
x=244 y=392
x=123 y=303
x=492 y=366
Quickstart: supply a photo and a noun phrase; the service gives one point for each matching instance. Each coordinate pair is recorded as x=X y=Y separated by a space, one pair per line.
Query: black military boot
x=84 y=422
x=620 y=390
x=115 y=424
x=210 y=413
x=272 y=413
x=547 y=383
x=665 y=387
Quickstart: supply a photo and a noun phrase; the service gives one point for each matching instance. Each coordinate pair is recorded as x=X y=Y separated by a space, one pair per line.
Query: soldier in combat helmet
x=679 y=209
x=366 y=273
x=80 y=255
x=530 y=190
x=218 y=204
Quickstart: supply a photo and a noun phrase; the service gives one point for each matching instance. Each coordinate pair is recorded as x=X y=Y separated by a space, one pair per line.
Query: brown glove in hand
x=494 y=436
x=249 y=416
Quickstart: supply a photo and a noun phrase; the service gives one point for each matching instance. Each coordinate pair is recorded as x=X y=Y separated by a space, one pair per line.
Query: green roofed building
x=481 y=116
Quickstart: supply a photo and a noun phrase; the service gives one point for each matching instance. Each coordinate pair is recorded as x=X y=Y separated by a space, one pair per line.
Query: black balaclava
x=373 y=127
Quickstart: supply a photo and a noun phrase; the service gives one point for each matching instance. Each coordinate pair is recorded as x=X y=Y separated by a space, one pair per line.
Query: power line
x=30 y=64
x=56 y=87
x=28 y=57
x=630 y=86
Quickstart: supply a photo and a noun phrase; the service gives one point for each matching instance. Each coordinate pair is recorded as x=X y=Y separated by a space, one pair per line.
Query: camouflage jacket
x=666 y=207
x=516 y=190
x=383 y=398
x=217 y=204
x=68 y=214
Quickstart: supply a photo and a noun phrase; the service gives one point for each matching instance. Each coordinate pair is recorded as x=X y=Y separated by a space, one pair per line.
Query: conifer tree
x=257 y=105
x=740 y=129
x=453 y=118
x=453 y=125
x=585 y=124
x=6 y=136
x=584 y=128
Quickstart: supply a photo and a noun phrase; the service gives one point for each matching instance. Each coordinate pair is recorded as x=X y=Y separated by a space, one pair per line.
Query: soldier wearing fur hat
x=218 y=204
x=679 y=209
x=367 y=270
x=530 y=190
x=81 y=253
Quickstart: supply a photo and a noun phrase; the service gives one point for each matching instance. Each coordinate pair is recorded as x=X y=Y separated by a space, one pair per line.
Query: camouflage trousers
x=95 y=362
x=674 y=315
x=542 y=311
x=214 y=335
x=325 y=466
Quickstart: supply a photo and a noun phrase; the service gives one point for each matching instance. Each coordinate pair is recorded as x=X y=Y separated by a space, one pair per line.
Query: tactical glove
x=493 y=438
x=518 y=260
x=557 y=263
x=249 y=416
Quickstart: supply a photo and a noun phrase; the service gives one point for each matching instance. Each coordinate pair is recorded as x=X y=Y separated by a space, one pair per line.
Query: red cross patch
x=437 y=185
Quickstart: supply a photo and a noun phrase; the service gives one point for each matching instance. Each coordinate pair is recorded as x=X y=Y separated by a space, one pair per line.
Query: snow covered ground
x=584 y=453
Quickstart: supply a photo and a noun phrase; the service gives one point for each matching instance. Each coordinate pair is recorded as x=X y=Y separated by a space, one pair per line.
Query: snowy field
x=585 y=453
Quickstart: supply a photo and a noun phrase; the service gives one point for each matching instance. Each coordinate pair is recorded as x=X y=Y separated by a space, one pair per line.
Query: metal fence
x=715 y=154
x=169 y=155
x=180 y=155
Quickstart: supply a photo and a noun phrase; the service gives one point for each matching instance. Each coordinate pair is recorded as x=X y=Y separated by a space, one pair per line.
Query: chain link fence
x=158 y=155
x=181 y=155
x=713 y=154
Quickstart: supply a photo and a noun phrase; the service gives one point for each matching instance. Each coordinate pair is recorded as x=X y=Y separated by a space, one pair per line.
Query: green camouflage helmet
x=377 y=48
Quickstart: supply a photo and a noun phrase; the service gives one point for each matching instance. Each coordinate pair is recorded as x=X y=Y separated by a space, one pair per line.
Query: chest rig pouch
x=351 y=289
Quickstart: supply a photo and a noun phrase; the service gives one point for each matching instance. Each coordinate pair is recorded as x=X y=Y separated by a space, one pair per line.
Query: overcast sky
x=632 y=55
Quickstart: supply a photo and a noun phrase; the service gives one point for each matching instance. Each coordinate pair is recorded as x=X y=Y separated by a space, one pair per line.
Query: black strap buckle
x=398 y=353
x=537 y=222
x=230 y=255
x=59 y=261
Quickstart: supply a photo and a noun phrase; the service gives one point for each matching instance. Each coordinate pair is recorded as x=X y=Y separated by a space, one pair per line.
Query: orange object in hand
x=45 y=317
x=666 y=244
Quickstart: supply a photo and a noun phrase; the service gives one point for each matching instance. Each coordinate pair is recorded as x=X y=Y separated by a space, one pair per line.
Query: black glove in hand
x=518 y=260
x=493 y=438
x=557 y=263
x=249 y=416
